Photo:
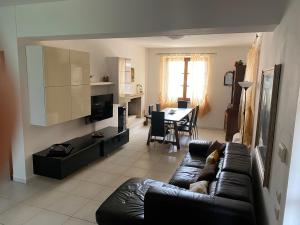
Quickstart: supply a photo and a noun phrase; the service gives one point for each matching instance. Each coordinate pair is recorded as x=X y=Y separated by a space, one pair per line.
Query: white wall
x=218 y=94
x=38 y=138
x=8 y=43
x=291 y=216
x=282 y=47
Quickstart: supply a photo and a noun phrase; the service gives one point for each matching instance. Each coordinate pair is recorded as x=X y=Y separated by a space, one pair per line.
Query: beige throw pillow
x=213 y=157
x=199 y=187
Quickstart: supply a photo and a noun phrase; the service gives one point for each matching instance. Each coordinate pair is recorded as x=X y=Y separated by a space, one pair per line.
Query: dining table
x=174 y=116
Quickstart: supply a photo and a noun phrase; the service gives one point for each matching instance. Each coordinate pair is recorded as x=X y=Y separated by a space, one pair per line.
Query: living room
x=76 y=197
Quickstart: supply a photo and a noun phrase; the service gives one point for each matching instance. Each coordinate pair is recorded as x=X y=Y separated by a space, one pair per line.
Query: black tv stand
x=86 y=149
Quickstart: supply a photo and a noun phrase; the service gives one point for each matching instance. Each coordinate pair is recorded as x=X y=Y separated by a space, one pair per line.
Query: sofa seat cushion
x=126 y=205
x=238 y=164
x=184 y=176
x=236 y=149
x=193 y=161
x=234 y=186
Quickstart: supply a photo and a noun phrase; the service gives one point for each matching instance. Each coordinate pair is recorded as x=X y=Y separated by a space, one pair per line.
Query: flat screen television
x=101 y=107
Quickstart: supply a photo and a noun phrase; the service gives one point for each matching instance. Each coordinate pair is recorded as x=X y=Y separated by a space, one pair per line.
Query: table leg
x=176 y=135
x=149 y=136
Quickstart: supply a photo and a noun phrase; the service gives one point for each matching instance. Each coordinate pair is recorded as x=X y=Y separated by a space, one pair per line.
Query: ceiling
x=210 y=40
x=21 y=2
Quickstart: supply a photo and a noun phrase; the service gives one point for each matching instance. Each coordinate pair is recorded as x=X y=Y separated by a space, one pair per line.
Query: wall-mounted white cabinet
x=58 y=83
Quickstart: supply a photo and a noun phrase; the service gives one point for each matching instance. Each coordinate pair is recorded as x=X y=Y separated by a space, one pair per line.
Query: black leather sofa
x=229 y=200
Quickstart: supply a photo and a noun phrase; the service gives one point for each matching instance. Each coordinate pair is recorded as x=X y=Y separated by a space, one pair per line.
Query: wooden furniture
x=231 y=120
x=172 y=115
x=58 y=83
x=86 y=149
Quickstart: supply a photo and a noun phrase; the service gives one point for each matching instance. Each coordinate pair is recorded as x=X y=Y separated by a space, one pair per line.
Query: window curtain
x=198 y=82
x=251 y=75
x=171 y=75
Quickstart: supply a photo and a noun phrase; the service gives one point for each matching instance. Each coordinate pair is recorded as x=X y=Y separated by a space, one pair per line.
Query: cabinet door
x=81 y=101
x=56 y=67
x=58 y=104
x=80 y=67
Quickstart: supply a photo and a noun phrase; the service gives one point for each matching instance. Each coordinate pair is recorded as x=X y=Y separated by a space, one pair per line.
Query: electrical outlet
x=277 y=213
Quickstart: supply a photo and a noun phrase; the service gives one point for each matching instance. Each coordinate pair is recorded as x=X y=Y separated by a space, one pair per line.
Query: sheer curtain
x=172 y=77
x=198 y=82
x=171 y=74
x=251 y=75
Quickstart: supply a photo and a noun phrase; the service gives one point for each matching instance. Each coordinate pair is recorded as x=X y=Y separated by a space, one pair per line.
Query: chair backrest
x=196 y=115
x=150 y=109
x=182 y=104
x=192 y=118
x=158 y=124
x=158 y=107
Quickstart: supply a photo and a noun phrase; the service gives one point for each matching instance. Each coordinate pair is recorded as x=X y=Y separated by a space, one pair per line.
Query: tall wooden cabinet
x=58 y=83
x=231 y=121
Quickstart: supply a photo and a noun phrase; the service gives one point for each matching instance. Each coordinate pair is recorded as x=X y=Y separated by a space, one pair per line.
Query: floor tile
x=73 y=221
x=46 y=217
x=86 y=189
x=88 y=211
x=44 y=199
x=68 y=205
x=18 y=215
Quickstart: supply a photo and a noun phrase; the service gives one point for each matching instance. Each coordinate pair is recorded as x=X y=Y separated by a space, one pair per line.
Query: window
x=183 y=73
x=184 y=78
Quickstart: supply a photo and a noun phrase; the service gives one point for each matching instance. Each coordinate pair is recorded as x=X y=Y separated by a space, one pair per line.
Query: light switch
x=282 y=152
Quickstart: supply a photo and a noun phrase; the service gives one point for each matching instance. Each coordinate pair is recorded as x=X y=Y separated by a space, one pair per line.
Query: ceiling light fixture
x=175 y=37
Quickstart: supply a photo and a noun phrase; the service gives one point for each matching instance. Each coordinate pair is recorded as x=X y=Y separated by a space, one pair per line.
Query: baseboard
x=20 y=180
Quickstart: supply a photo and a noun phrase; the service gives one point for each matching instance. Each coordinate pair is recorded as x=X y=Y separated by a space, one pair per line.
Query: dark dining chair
x=150 y=109
x=195 y=127
x=188 y=126
x=158 y=107
x=158 y=129
x=182 y=104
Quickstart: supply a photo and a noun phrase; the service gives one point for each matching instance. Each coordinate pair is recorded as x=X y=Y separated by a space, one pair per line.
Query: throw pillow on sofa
x=208 y=172
x=216 y=146
x=213 y=158
x=199 y=187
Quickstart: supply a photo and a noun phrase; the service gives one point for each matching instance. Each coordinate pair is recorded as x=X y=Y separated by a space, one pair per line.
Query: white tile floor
x=74 y=200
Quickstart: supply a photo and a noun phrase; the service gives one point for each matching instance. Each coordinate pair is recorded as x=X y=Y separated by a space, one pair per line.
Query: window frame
x=185 y=78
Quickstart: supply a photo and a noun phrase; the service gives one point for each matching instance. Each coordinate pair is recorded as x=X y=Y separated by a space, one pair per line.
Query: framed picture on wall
x=266 y=120
x=228 y=78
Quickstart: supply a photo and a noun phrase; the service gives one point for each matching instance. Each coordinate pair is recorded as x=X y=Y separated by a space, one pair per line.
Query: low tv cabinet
x=86 y=149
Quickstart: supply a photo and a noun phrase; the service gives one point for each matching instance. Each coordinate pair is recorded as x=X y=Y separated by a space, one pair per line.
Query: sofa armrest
x=165 y=205
x=199 y=148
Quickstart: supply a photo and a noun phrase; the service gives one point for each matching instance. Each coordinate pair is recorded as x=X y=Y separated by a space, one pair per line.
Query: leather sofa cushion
x=126 y=205
x=208 y=173
x=184 y=176
x=238 y=164
x=236 y=149
x=199 y=148
x=193 y=161
x=234 y=186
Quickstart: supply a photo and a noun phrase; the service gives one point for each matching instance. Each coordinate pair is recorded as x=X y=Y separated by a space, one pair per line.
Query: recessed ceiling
x=211 y=40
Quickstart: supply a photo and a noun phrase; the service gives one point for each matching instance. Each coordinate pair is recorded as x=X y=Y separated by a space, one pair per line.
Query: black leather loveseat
x=229 y=200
